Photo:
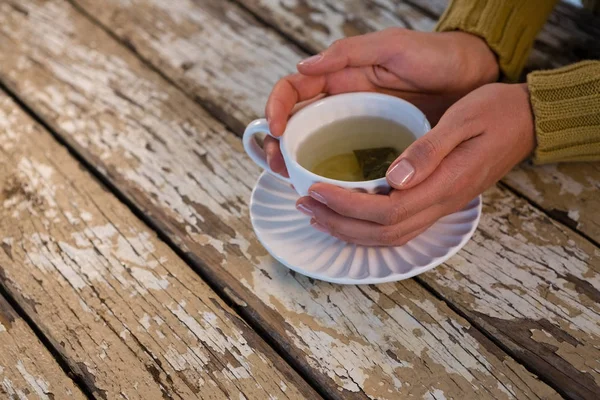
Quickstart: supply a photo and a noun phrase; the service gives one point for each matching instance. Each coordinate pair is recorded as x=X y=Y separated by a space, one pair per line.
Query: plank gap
x=237 y=128
x=552 y=214
x=46 y=342
x=205 y=274
x=213 y=109
x=188 y=258
x=514 y=354
x=555 y=216
x=159 y=229
x=304 y=46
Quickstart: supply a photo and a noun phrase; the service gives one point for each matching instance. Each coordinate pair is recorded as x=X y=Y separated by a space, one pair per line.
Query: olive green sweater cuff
x=566 y=107
x=508 y=26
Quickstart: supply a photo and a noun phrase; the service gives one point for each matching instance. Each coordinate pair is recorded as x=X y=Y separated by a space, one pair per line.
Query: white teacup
x=323 y=112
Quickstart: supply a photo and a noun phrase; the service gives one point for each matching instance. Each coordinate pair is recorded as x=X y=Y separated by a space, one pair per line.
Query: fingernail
x=319 y=227
x=304 y=209
x=311 y=60
x=401 y=173
x=317 y=196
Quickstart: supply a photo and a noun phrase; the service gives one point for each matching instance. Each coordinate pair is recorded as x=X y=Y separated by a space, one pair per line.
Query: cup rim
x=337 y=97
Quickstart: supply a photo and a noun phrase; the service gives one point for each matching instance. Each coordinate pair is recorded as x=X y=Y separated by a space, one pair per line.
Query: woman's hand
x=476 y=142
x=431 y=70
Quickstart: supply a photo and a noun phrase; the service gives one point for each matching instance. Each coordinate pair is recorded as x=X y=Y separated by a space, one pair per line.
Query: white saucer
x=288 y=237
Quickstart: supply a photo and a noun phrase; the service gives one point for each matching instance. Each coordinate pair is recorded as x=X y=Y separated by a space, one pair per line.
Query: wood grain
x=126 y=314
x=217 y=49
x=178 y=39
x=568 y=192
x=191 y=178
x=179 y=17
x=27 y=369
x=536 y=288
x=314 y=25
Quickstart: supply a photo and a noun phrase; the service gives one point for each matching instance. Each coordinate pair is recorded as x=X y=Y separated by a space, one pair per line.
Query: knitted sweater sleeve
x=566 y=106
x=565 y=101
x=508 y=26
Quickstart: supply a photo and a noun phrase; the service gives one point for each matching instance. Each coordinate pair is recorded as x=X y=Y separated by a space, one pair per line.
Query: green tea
x=360 y=165
x=354 y=149
x=343 y=167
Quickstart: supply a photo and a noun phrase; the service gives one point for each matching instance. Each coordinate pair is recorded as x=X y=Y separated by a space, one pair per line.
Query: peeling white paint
x=435 y=394
x=170 y=188
x=103 y=350
x=574 y=215
x=39 y=386
x=195 y=358
x=51 y=214
x=176 y=360
x=71 y=218
x=208 y=189
x=11 y=391
x=205 y=329
x=253 y=58
x=238 y=372
x=86 y=216
x=145 y=321
x=135 y=249
x=8 y=135
x=82 y=264
x=148 y=279
x=34 y=180
x=461 y=352
x=540 y=264
x=455 y=357
x=82 y=261
x=84 y=306
x=507 y=389
x=567 y=184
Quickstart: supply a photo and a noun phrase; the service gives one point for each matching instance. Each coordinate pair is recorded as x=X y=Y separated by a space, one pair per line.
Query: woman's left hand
x=476 y=142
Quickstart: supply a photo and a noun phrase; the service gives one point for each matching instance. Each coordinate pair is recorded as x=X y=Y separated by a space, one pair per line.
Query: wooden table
x=129 y=268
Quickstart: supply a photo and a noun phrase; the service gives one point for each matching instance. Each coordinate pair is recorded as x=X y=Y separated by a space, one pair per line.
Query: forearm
x=566 y=107
x=508 y=26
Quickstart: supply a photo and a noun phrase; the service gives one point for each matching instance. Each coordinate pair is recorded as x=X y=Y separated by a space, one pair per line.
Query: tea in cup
x=348 y=140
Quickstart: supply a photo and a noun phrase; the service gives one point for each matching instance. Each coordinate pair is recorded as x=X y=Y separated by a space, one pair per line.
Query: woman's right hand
x=429 y=69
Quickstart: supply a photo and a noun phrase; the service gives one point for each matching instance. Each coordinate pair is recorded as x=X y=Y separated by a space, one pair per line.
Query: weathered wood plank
x=172 y=37
x=127 y=315
x=327 y=21
x=180 y=30
x=568 y=191
x=213 y=47
x=536 y=288
x=27 y=368
x=189 y=174
x=221 y=55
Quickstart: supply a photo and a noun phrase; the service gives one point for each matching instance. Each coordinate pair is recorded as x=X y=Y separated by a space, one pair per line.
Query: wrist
x=478 y=60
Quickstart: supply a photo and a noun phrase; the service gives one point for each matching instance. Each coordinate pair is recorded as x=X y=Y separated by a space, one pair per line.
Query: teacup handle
x=256 y=153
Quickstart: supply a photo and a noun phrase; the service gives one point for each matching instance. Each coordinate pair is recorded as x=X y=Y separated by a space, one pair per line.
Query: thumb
x=357 y=51
x=423 y=156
